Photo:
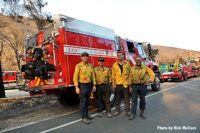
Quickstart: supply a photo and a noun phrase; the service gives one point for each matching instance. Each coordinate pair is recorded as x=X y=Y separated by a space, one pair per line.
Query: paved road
x=175 y=108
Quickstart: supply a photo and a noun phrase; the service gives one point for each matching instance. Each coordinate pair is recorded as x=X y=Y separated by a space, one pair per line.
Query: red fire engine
x=180 y=72
x=9 y=76
x=51 y=54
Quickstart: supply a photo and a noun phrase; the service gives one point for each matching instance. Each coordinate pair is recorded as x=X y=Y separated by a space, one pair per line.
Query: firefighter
x=120 y=82
x=140 y=77
x=84 y=81
x=103 y=80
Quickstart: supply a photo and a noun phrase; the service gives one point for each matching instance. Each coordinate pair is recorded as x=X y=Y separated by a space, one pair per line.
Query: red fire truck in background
x=9 y=76
x=179 y=72
x=51 y=54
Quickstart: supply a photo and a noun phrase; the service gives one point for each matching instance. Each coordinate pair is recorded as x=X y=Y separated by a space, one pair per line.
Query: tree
x=2 y=89
x=152 y=53
x=34 y=10
x=14 y=38
x=11 y=8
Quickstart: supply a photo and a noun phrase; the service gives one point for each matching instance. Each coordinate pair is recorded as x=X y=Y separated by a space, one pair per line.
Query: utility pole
x=2 y=89
x=188 y=55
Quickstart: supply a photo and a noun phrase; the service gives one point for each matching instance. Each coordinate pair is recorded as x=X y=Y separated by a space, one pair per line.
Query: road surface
x=175 y=108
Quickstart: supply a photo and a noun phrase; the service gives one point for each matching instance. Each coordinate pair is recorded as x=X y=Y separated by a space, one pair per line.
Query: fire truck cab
x=132 y=49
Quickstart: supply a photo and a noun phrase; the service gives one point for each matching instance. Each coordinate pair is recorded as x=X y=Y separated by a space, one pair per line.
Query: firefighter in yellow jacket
x=103 y=80
x=84 y=81
x=140 y=77
x=120 y=82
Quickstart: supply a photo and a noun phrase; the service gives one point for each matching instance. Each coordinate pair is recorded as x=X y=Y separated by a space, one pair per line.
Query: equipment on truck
x=163 y=68
x=175 y=72
x=176 y=64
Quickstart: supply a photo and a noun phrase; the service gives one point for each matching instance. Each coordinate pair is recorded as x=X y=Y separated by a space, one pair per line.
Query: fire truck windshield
x=141 y=51
x=3 y=74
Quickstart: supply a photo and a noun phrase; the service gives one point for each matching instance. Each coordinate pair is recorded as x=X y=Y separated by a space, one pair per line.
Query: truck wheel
x=156 y=85
x=68 y=97
x=163 y=80
x=181 y=79
x=185 y=78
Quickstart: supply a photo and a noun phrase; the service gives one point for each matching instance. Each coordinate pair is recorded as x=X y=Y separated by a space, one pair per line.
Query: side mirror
x=149 y=49
x=136 y=51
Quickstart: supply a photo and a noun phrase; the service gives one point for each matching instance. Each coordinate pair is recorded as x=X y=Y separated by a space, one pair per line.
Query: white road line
x=31 y=123
x=73 y=122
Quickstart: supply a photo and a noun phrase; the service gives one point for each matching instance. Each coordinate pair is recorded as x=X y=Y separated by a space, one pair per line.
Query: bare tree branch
x=11 y=7
x=13 y=37
x=34 y=9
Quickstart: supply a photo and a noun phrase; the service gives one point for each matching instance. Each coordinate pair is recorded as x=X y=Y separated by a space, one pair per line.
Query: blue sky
x=173 y=23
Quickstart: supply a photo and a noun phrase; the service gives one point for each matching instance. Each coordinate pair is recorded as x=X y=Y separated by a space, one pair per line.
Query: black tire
x=156 y=85
x=185 y=78
x=181 y=79
x=163 y=80
x=68 y=97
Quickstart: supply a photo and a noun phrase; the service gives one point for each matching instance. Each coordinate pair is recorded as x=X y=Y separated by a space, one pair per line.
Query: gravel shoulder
x=20 y=111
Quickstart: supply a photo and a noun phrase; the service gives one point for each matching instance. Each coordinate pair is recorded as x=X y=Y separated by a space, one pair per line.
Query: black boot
x=131 y=117
x=100 y=114
x=142 y=114
x=89 y=117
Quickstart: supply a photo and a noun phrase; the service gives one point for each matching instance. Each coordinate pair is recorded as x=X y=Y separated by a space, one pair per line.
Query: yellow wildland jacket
x=84 y=73
x=140 y=75
x=119 y=77
x=103 y=76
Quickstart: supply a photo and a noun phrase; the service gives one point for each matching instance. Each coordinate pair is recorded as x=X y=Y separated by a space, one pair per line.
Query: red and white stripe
x=77 y=50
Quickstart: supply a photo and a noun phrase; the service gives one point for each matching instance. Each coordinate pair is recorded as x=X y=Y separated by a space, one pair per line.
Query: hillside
x=166 y=54
x=23 y=24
